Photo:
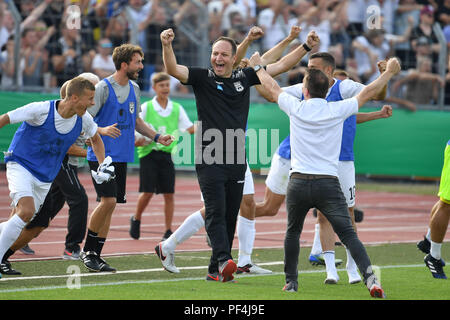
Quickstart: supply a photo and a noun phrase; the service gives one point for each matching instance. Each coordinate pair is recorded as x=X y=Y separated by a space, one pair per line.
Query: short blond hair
x=93 y=78
x=77 y=86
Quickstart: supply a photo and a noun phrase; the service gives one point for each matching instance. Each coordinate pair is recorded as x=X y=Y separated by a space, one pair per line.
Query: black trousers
x=66 y=187
x=326 y=195
x=221 y=187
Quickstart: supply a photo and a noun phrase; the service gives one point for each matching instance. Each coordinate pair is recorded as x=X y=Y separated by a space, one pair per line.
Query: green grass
x=140 y=277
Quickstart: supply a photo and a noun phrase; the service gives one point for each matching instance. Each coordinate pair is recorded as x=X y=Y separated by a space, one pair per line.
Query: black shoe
x=435 y=266
x=166 y=235
x=135 y=228
x=104 y=266
x=291 y=286
x=27 y=250
x=359 y=215
x=5 y=268
x=424 y=245
x=90 y=261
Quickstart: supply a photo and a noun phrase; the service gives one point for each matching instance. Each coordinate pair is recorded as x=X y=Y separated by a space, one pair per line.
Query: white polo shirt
x=316 y=132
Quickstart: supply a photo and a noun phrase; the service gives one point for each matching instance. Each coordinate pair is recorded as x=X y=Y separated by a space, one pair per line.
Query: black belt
x=305 y=176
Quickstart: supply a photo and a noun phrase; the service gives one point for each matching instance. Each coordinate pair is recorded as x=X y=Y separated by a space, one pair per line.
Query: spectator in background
x=356 y=10
x=141 y=14
x=117 y=30
x=443 y=13
x=32 y=75
x=422 y=86
x=103 y=65
x=322 y=18
x=405 y=10
x=375 y=45
x=425 y=29
x=53 y=16
x=66 y=55
x=387 y=9
x=7 y=65
x=160 y=21
x=6 y=26
x=275 y=23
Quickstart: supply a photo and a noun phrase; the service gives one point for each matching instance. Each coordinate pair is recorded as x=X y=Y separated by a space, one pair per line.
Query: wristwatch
x=257 y=67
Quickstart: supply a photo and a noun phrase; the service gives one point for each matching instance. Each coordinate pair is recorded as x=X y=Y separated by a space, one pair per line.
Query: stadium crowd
x=55 y=46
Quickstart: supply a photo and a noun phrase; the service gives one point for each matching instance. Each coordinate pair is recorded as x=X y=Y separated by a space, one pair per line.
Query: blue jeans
x=326 y=195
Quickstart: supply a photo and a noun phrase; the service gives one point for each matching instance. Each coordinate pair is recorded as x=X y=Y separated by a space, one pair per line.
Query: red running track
x=388 y=218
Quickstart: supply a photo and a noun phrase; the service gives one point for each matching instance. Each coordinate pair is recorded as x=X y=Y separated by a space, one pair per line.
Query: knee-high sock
x=187 y=229
x=435 y=250
x=317 y=246
x=11 y=231
x=330 y=259
x=246 y=236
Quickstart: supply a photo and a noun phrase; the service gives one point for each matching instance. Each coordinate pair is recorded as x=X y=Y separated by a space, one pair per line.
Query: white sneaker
x=252 y=269
x=332 y=278
x=168 y=261
x=353 y=276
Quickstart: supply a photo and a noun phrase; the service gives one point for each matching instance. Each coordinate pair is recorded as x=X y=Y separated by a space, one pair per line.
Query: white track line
x=155 y=280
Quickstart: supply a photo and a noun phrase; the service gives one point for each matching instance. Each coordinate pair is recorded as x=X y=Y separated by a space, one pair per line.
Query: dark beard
x=132 y=76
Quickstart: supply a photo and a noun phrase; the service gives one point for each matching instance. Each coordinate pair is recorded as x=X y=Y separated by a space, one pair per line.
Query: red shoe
x=227 y=269
x=377 y=292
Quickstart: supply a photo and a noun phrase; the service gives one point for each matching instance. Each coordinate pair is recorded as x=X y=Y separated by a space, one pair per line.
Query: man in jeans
x=316 y=134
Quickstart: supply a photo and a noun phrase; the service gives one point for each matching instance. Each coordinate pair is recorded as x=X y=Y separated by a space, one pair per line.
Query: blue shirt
x=41 y=149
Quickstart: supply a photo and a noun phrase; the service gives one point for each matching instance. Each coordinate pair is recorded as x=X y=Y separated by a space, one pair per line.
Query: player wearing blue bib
x=38 y=148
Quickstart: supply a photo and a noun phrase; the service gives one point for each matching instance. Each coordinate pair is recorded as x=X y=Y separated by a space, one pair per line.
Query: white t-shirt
x=36 y=113
x=216 y=7
x=276 y=32
x=99 y=63
x=363 y=60
x=316 y=132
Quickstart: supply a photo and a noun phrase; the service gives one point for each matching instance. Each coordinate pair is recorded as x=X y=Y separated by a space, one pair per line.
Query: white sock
x=435 y=250
x=351 y=264
x=330 y=261
x=317 y=246
x=246 y=236
x=11 y=231
x=188 y=228
x=428 y=236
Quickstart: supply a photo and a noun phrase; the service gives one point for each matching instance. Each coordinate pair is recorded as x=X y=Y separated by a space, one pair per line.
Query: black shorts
x=157 y=173
x=113 y=188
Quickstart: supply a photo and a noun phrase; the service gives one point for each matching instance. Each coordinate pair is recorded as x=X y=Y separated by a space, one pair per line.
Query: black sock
x=7 y=254
x=91 y=241
x=100 y=244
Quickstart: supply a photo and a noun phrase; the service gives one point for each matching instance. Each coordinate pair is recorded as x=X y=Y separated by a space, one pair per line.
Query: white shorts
x=249 y=186
x=346 y=173
x=278 y=177
x=22 y=183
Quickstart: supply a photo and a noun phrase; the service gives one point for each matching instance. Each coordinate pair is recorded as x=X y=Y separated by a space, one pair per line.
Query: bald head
x=93 y=78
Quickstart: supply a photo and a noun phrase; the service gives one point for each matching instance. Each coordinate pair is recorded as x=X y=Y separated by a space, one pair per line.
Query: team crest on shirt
x=238 y=86
x=131 y=107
